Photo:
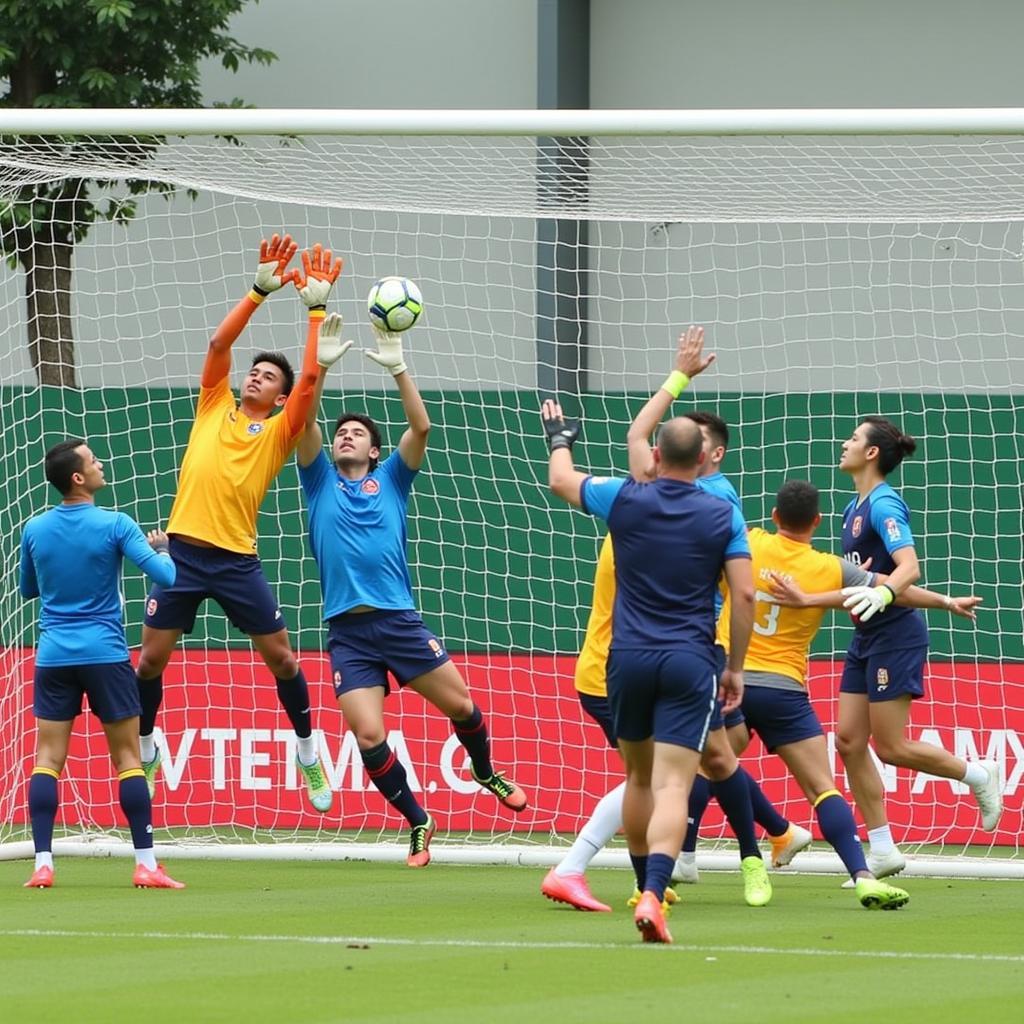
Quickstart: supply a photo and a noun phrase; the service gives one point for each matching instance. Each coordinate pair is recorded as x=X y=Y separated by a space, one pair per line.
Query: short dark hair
x=372 y=428
x=891 y=442
x=716 y=426
x=680 y=447
x=281 y=362
x=62 y=462
x=797 y=504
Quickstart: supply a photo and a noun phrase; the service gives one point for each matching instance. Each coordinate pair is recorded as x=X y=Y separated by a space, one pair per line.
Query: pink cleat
x=158 y=879
x=650 y=919
x=42 y=878
x=571 y=889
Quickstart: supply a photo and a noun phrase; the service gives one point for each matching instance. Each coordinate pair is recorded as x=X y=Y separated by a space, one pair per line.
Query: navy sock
x=764 y=811
x=134 y=795
x=472 y=733
x=639 y=869
x=151 y=695
x=294 y=697
x=839 y=828
x=387 y=773
x=42 y=808
x=659 y=871
x=700 y=794
x=734 y=796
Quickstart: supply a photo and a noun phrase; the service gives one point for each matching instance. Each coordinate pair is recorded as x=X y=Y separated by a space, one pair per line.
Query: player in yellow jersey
x=235 y=451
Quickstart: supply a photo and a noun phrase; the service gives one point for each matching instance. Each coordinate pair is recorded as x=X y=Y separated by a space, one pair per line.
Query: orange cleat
x=507 y=792
x=42 y=878
x=650 y=919
x=158 y=879
x=419 y=843
x=571 y=889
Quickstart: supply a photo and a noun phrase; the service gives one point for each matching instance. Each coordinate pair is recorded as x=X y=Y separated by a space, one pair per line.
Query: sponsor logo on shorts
x=435 y=647
x=892 y=529
x=277 y=614
x=858 y=522
x=254 y=428
x=151 y=606
x=882 y=679
x=337 y=679
x=370 y=486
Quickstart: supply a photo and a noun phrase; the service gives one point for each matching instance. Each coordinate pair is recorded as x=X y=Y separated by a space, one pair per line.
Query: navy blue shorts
x=600 y=711
x=886 y=675
x=112 y=690
x=236 y=582
x=669 y=695
x=780 y=716
x=735 y=717
x=365 y=646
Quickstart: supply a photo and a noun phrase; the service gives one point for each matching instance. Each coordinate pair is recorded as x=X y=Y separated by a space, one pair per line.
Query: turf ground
x=310 y=943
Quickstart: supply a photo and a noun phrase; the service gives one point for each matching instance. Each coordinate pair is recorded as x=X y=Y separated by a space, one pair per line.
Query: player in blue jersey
x=672 y=542
x=884 y=668
x=357 y=530
x=71 y=560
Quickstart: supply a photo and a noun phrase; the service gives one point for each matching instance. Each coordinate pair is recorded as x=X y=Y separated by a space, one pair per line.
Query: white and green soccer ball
x=395 y=304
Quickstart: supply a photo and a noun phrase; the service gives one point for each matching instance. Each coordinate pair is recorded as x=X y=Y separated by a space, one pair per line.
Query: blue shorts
x=365 y=646
x=735 y=717
x=667 y=694
x=780 y=716
x=600 y=711
x=236 y=582
x=886 y=675
x=112 y=690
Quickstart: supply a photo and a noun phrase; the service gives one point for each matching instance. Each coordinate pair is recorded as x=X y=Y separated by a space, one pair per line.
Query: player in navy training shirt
x=884 y=668
x=672 y=542
x=71 y=560
x=357 y=530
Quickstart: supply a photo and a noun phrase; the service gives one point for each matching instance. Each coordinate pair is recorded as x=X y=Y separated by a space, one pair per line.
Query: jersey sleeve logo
x=370 y=486
x=892 y=529
x=254 y=428
x=858 y=522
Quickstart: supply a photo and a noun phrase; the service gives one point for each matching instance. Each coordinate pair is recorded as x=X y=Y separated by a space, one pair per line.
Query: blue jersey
x=71 y=559
x=671 y=542
x=719 y=485
x=875 y=528
x=357 y=532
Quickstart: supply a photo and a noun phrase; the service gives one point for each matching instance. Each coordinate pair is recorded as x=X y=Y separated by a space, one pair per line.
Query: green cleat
x=507 y=792
x=671 y=897
x=149 y=769
x=876 y=895
x=757 y=887
x=317 y=789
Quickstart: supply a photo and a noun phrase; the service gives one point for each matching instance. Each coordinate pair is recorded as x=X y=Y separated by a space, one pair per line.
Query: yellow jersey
x=782 y=637
x=229 y=465
x=590 y=665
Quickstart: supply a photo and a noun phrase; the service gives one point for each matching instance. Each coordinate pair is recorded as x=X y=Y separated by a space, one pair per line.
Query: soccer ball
x=395 y=304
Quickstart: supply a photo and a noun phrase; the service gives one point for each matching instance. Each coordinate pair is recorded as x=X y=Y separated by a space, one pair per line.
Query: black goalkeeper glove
x=561 y=433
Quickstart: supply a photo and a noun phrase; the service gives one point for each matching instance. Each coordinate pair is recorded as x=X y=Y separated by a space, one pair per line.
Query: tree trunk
x=48 y=293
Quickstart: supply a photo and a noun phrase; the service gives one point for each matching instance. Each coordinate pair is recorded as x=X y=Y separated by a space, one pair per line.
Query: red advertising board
x=229 y=752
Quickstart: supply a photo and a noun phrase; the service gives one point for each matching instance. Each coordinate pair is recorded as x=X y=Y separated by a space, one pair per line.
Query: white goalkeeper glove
x=320 y=271
x=275 y=256
x=329 y=346
x=389 y=352
x=863 y=602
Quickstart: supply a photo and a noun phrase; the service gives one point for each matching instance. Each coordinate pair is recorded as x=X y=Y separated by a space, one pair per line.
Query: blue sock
x=764 y=811
x=294 y=697
x=42 y=807
x=839 y=828
x=472 y=733
x=639 y=869
x=700 y=794
x=134 y=795
x=151 y=695
x=734 y=797
x=659 y=871
x=387 y=773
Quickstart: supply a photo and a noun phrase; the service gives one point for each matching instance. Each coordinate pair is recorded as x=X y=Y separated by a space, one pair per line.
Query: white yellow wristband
x=675 y=383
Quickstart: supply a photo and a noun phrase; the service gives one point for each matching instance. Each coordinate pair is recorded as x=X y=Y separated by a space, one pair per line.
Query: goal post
x=844 y=262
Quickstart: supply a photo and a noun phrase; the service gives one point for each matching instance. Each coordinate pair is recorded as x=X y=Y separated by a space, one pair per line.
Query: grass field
x=308 y=943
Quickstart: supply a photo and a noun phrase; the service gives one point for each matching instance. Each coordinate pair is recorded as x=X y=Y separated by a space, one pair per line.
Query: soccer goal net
x=837 y=274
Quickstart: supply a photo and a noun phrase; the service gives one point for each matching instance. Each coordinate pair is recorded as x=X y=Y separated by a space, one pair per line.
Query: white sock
x=147 y=747
x=306 y=749
x=603 y=824
x=880 y=840
x=688 y=857
x=147 y=858
x=975 y=775
x=44 y=859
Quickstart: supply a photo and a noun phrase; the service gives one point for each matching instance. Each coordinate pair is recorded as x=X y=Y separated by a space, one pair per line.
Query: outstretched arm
x=329 y=349
x=320 y=271
x=413 y=445
x=563 y=478
x=270 y=275
x=690 y=360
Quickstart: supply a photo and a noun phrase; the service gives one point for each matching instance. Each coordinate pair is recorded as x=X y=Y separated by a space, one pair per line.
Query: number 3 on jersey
x=766 y=614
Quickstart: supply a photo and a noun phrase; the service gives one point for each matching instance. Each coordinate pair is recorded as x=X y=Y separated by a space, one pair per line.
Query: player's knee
x=719 y=763
x=889 y=751
x=151 y=664
x=850 y=746
x=282 y=664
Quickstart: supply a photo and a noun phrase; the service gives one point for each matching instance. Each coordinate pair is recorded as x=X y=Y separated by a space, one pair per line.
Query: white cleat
x=787 y=846
x=685 y=870
x=882 y=865
x=989 y=796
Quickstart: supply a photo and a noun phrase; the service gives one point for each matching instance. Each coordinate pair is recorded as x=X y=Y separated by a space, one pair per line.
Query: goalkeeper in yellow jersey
x=235 y=451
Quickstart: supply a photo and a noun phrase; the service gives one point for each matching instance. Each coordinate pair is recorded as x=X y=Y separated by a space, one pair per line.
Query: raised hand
x=690 y=358
x=389 y=352
x=319 y=272
x=275 y=256
x=158 y=541
x=329 y=346
x=963 y=606
x=561 y=433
